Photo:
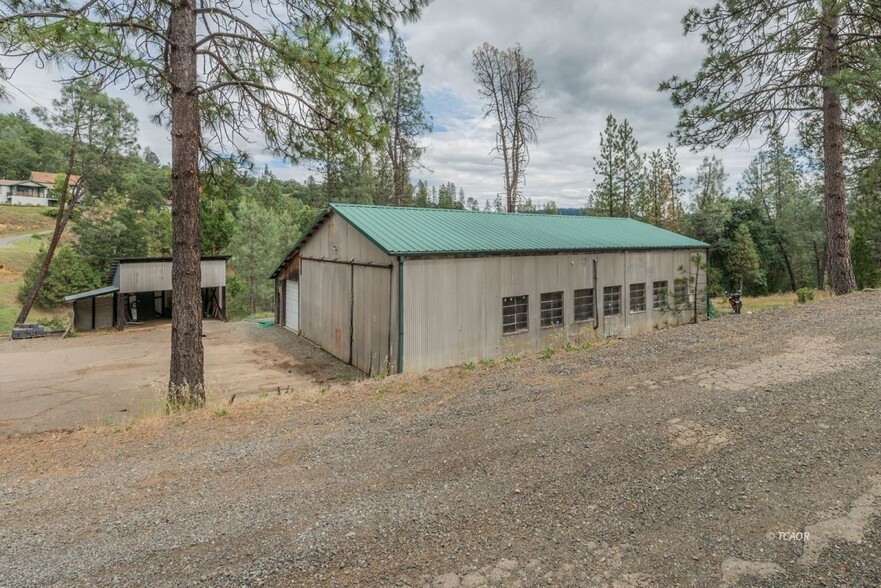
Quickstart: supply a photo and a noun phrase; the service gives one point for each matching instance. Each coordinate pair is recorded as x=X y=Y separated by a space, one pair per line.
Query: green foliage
x=762 y=41
x=68 y=274
x=25 y=147
x=743 y=259
x=804 y=295
x=262 y=238
x=547 y=353
x=156 y=226
x=108 y=229
x=402 y=113
x=53 y=324
x=606 y=199
x=862 y=252
x=629 y=184
x=217 y=225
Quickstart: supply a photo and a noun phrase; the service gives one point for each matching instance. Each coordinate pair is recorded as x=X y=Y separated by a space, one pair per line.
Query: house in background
x=140 y=290
x=389 y=289
x=38 y=190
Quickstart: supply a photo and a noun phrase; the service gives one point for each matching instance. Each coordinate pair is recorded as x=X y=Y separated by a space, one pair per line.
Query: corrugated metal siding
x=453 y=307
x=155 y=276
x=338 y=240
x=370 y=320
x=292 y=305
x=82 y=312
x=327 y=307
x=325 y=290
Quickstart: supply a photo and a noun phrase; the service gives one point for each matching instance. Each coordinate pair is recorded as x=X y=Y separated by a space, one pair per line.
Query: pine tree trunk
x=820 y=266
x=788 y=263
x=841 y=276
x=186 y=381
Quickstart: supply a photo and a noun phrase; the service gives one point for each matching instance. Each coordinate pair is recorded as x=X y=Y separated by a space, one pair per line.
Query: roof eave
x=547 y=251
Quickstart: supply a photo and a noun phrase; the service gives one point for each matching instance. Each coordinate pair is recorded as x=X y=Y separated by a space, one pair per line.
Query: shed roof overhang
x=92 y=293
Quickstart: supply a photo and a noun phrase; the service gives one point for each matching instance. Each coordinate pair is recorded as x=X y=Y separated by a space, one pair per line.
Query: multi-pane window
x=551 y=309
x=611 y=300
x=659 y=295
x=637 y=297
x=680 y=292
x=584 y=305
x=515 y=314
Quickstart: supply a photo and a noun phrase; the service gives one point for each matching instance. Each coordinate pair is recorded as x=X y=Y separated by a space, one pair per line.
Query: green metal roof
x=435 y=231
x=409 y=231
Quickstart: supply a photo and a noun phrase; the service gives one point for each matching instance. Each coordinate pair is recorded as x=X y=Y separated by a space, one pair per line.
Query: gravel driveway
x=107 y=376
x=744 y=451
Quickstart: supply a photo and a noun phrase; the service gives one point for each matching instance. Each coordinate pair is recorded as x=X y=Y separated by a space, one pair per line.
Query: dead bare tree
x=509 y=86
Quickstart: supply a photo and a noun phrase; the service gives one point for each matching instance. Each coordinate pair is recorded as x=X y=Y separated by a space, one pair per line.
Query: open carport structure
x=140 y=290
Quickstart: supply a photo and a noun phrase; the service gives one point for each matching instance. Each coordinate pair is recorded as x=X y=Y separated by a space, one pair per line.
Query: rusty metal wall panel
x=338 y=240
x=325 y=308
x=370 y=319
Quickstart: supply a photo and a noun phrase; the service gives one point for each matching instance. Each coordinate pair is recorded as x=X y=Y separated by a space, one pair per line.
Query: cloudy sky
x=594 y=58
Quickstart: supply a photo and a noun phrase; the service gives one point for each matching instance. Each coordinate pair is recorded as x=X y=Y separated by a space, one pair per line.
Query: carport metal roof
x=92 y=293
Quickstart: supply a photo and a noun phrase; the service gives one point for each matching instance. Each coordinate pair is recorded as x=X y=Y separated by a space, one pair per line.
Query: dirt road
x=9 y=241
x=745 y=451
x=107 y=376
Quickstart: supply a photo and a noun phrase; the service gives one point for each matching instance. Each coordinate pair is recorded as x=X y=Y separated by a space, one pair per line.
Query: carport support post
x=120 y=312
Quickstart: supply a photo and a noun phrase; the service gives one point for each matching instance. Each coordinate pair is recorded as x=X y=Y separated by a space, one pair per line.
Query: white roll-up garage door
x=292 y=305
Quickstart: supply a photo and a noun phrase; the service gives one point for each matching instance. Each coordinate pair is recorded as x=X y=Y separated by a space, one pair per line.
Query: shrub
x=68 y=274
x=54 y=324
x=804 y=295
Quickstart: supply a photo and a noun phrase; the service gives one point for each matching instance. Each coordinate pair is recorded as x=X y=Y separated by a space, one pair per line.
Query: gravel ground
x=111 y=377
x=696 y=456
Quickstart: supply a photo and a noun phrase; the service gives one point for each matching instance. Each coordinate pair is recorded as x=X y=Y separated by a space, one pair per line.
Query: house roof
x=21 y=183
x=432 y=231
x=48 y=178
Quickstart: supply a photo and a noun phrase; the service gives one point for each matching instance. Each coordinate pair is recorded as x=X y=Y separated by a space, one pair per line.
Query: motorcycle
x=735 y=301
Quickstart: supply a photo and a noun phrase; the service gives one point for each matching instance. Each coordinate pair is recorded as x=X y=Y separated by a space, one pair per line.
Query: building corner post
x=400 y=314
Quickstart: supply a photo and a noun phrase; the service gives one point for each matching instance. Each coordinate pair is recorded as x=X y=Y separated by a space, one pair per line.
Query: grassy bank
x=14 y=260
x=18 y=220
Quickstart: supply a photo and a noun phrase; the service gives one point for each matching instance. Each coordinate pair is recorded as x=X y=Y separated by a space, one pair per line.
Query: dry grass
x=17 y=220
x=14 y=260
x=757 y=303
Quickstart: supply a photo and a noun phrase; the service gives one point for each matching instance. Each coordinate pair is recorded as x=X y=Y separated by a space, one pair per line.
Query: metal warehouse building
x=389 y=289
